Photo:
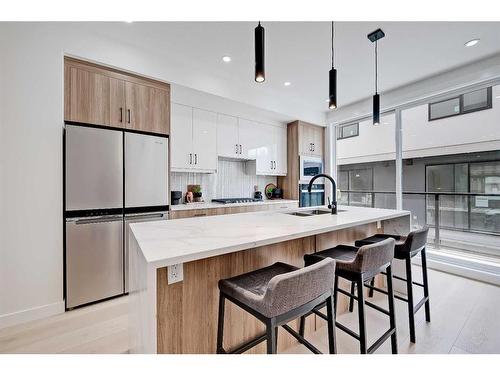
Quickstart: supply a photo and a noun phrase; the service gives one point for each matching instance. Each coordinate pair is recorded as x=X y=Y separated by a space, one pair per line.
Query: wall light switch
x=174 y=273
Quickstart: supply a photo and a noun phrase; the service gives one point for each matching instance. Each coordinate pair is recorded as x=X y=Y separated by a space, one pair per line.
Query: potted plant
x=197 y=193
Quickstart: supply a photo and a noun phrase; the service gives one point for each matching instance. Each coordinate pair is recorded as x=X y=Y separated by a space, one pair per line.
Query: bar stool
x=276 y=295
x=359 y=265
x=406 y=248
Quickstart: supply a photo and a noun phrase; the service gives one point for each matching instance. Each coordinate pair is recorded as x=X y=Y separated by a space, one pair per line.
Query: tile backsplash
x=230 y=181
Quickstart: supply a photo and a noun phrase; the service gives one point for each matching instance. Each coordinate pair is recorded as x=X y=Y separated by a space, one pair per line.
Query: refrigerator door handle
x=96 y=219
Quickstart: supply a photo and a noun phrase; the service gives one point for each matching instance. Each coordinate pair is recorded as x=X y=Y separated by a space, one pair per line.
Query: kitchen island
x=181 y=317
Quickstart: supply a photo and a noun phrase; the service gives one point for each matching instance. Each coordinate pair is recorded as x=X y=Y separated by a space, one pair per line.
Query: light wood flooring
x=464 y=316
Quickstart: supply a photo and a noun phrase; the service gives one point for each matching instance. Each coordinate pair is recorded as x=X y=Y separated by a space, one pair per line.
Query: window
x=348 y=131
x=477 y=100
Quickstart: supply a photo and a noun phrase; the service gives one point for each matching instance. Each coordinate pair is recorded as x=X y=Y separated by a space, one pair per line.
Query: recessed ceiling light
x=226 y=59
x=287 y=83
x=472 y=42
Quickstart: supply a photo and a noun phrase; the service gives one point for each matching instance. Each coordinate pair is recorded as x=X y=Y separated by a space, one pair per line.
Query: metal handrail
x=437 y=194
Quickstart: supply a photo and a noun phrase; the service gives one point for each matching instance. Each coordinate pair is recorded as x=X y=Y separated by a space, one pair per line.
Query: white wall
x=472 y=132
x=31 y=120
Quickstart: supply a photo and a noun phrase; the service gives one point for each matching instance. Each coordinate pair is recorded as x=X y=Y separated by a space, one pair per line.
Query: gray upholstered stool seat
x=276 y=295
x=406 y=248
x=249 y=288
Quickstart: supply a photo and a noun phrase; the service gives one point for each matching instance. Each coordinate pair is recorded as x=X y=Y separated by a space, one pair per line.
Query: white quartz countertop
x=208 y=205
x=168 y=242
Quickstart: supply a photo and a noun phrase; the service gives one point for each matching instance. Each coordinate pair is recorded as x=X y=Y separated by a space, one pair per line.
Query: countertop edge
x=155 y=263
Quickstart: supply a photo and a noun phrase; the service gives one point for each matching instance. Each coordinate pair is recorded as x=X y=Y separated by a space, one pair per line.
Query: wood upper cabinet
x=101 y=96
x=311 y=140
x=92 y=97
x=148 y=108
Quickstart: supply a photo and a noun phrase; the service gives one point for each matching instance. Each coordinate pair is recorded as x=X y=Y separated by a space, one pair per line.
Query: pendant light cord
x=376 y=67
x=333 y=56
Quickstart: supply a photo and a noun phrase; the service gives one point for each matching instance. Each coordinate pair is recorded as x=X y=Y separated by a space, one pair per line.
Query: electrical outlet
x=379 y=224
x=174 y=273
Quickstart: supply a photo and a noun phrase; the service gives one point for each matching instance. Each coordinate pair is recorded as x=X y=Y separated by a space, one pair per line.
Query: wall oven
x=315 y=198
x=310 y=166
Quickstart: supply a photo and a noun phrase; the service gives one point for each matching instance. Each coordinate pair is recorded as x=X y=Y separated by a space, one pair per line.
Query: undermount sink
x=312 y=212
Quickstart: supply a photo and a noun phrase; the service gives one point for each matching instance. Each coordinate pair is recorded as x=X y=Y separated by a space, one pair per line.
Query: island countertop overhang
x=168 y=242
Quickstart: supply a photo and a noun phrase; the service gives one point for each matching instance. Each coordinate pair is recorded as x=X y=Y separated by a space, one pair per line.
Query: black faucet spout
x=334 y=189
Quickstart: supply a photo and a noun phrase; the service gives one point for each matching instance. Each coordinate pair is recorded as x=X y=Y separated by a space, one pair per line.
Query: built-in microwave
x=310 y=166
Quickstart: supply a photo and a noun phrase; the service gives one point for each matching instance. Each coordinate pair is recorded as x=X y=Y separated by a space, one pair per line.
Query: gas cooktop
x=236 y=200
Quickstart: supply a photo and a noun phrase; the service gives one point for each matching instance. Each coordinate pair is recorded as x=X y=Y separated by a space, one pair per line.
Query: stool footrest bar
x=378 y=308
x=381 y=340
x=247 y=345
x=347 y=330
x=301 y=339
x=420 y=304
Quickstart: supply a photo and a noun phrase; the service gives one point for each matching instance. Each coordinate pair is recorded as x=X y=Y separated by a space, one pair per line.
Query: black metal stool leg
x=372 y=283
x=361 y=315
x=351 y=300
x=423 y=255
x=392 y=311
x=332 y=341
x=409 y=289
x=335 y=288
x=220 y=324
x=302 y=325
x=271 y=338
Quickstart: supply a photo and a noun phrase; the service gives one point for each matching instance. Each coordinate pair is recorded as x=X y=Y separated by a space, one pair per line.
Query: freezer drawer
x=94 y=168
x=146 y=170
x=94 y=259
x=137 y=218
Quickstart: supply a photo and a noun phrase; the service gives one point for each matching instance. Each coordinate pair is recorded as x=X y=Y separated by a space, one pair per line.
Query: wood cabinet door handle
x=121 y=114
x=128 y=114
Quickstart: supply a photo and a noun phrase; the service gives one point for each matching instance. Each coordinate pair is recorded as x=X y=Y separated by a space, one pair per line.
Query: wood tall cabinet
x=303 y=139
x=107 y=97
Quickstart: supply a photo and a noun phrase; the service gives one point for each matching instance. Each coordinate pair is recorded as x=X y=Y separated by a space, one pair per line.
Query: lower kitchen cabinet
x=182 y=214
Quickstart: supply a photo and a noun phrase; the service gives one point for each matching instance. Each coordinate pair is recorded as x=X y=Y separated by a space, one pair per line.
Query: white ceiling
x=299 y=52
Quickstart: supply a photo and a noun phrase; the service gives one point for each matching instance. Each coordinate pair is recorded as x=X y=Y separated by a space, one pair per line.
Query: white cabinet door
x=181 y=137
x=281 y=152
x=266 y=150
x=227 y=136
x=204 y=140
x=250 y=138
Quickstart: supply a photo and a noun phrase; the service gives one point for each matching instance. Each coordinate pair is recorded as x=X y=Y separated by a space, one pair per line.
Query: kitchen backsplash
x=230 y=181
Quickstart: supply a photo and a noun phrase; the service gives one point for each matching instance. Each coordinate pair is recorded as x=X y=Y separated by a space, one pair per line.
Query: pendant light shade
x=332 y=104
x=376 y=109
x=374 y=37
x=260 y=74
x=332 y=79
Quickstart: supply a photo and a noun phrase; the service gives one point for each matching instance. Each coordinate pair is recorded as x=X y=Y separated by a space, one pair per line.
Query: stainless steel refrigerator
x=112 y=178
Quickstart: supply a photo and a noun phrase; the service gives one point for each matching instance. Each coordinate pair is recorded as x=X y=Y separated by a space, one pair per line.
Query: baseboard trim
x=28 y=315
x=462 y=266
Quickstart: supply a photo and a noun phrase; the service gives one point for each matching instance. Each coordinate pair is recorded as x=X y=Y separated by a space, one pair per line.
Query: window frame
x=340 y=133
x=461 y=111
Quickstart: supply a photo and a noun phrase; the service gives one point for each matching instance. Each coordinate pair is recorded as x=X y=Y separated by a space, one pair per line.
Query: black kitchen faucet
x=333 y=205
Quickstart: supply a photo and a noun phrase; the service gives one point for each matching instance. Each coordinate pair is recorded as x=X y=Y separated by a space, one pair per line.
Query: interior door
x=146 y=170
x=181 y=137
x=227 y=136
x=94 y=168
x=204 y=140
x=147 y=108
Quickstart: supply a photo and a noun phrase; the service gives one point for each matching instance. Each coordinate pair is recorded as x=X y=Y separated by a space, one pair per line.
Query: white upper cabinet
x=198 y=137
x=251 y=138
x=193 y=139
x=181 y=137
x=228 y=144
x=204 y=140
x=281 y=152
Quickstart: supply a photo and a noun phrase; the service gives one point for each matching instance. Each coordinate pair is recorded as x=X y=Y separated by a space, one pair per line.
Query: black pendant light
x=332 y=103
x=374 y=37
x=260 y=74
